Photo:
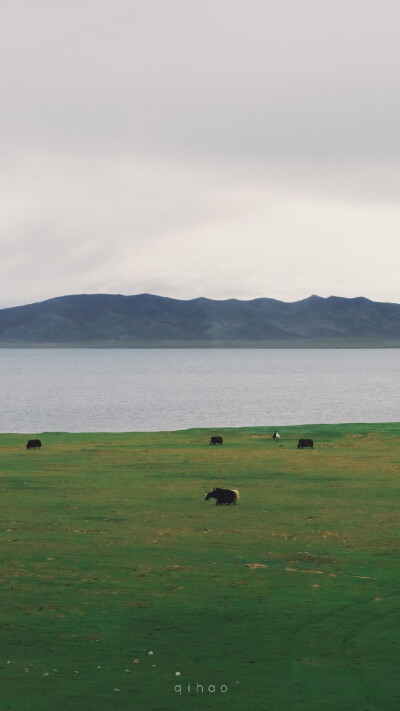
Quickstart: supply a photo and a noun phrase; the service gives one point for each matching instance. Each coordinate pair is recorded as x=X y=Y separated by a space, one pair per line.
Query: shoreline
x=256 y=429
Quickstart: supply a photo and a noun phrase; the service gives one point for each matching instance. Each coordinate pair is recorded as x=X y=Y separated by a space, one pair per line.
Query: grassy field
x=121 y=588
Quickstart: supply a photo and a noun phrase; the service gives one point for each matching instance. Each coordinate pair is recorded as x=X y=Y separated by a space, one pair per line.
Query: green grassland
x=120 y=586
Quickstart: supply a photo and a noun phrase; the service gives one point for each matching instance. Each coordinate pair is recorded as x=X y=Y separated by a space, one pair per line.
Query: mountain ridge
x=148 y=320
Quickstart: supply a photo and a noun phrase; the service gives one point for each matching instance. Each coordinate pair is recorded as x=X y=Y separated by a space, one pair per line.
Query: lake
x=94 y=390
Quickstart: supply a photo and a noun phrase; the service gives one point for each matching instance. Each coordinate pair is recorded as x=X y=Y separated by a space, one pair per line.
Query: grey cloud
x=261 y=78
x=183 y=147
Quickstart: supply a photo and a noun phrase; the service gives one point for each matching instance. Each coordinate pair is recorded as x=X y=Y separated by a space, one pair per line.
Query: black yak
x=216 y=440
x=305 y=443
x=33 y=444
x=223 y=496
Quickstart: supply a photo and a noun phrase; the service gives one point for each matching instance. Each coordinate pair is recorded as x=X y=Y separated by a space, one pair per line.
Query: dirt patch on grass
x=310 y=558
x=253 y=566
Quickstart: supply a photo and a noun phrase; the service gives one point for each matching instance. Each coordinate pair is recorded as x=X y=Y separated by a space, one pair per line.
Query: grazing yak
x=216 y=440
x=223 y=496
x=305 y=443
x=33 y=444
x=276 y=435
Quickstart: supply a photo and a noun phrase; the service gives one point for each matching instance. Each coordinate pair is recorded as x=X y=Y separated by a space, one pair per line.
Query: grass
x=120 y=586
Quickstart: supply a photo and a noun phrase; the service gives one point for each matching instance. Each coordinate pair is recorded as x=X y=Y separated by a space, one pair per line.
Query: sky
x=188 y=148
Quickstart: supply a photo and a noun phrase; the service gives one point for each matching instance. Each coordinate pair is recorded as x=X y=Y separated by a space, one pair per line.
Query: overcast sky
x=219 y=148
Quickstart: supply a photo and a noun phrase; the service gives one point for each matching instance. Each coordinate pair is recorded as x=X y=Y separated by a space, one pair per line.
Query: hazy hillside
x=154 y=321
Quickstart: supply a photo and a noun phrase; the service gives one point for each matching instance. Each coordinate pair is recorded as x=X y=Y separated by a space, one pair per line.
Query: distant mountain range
x=145 y=320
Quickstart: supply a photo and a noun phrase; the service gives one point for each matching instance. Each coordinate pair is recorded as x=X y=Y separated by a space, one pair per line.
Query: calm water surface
x=150 y=389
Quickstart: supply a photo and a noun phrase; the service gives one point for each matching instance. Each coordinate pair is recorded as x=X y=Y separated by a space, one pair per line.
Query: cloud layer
x=205 y=148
